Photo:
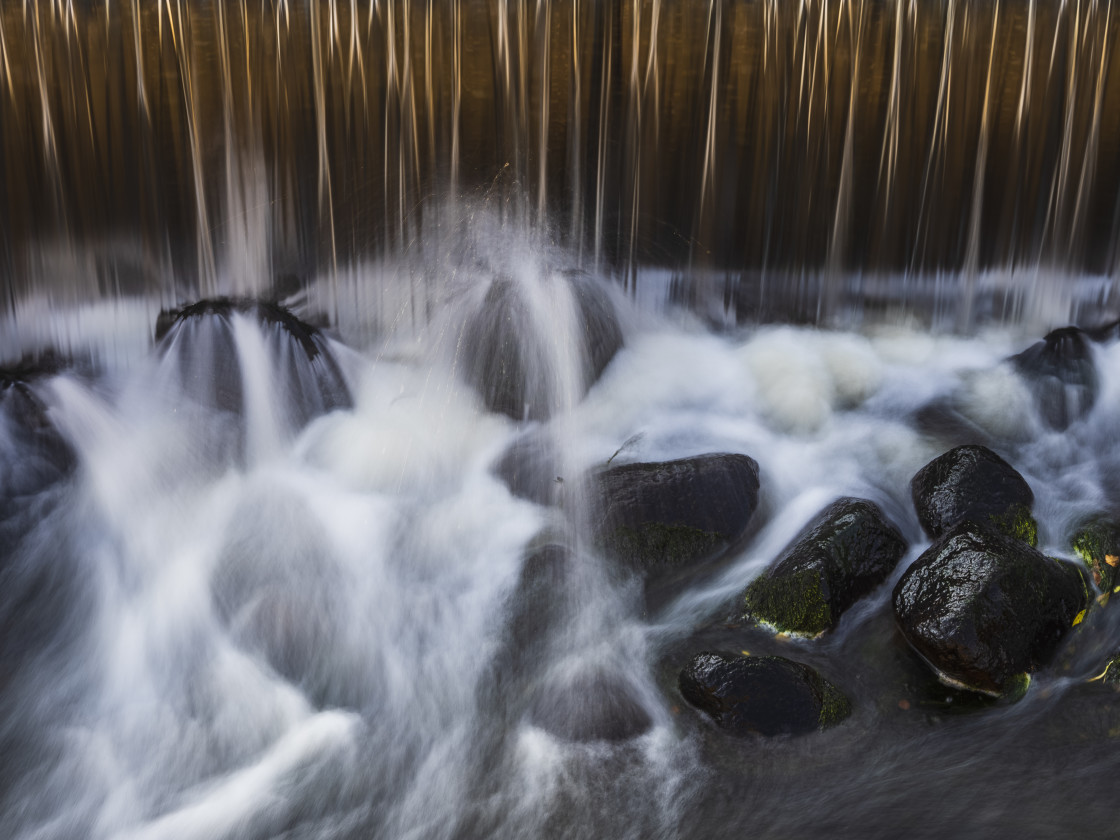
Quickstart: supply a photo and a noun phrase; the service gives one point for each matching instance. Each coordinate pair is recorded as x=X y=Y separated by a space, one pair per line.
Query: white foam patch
x=999 y=401
x=795 y=386
x=411 y=427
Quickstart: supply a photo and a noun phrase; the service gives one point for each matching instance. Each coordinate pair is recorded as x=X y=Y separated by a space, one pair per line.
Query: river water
x=246 y=620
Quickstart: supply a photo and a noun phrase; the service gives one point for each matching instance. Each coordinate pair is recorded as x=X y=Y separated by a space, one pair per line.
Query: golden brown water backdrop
x=256 y=139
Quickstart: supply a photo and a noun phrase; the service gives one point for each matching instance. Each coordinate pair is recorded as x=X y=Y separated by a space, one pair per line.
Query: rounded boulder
x=985 y=609
x=846 y=552
x=973 y=483
x=762 y=695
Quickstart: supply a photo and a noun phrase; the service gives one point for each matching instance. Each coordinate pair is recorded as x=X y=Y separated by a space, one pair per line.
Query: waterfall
x=398 y=397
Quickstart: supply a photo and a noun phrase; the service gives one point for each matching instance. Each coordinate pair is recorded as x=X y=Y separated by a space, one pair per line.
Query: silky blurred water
x=237 y=603
x=312 y=638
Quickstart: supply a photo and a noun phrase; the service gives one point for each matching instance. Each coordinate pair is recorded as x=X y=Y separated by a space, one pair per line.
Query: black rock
x=33 y=453
x=674 y=514
x=201 y=337
x=847 y=551
x=985 y=609
x=513 y=368
x=972 y=483
x=1062 y=375
x=762 y=695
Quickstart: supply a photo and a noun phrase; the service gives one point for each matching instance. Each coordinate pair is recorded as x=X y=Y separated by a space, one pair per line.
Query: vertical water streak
x=831 y=283
x=325 y=189
x=972 y=251
x=575 y=135
x=183 y=44
x=543 y=38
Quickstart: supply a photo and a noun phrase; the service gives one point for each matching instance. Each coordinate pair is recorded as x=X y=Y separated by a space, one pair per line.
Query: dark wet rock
x=674 y=514
x=847 y=551
x=537 y=604
x=1097 y=542
x=972 y=483
x=509 y=364
x=202 y=338
x=530 y=468
x=33 y=453
x=985 y=609
x=591 y=705
x=762 y=695
x=1062 y=375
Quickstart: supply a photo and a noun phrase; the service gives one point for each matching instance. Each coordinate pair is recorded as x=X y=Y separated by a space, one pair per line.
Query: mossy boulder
x=202 y=339
x=974 y=484
x=510 y=364
x=762 y=695
x=1061 y=373
x=985 y=609
x=1097 y=542
x=671 y=515
x=848 y=550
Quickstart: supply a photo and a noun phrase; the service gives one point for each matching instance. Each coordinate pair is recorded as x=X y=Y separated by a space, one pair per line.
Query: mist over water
x=262 y=580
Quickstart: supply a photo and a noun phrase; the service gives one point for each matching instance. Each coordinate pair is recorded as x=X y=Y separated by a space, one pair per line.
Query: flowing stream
x=264 y=583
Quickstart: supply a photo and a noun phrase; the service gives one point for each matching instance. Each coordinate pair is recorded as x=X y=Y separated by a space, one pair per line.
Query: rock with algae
x=1097 y=542
x=672 y=514
x=972 y=483
x=847 y=551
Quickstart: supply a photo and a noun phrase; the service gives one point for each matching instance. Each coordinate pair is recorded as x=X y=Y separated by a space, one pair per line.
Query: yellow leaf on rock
x=1077 y=620
x=1112 y=559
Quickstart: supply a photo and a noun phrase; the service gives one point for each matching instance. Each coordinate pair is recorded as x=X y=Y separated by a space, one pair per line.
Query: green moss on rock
x=847 y=551
x=670 y=544
x=1017 y=522
x=1097 y=543
x=835 y=706
x=795 y=604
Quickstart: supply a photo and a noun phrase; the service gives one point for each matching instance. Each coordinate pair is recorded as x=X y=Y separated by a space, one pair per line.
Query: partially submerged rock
x=985 y=609
x=674 y=514
x=1097 y=543
x=590 y=705
x=847 y=551
x=204 y=342
x=508 y=361
x=762 y=695
x=974 y=484
x=1061 y=373
x=33 y=453
x=530 y=468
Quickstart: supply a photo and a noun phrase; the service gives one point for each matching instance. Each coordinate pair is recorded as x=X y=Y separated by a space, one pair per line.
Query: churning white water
x=221 y=623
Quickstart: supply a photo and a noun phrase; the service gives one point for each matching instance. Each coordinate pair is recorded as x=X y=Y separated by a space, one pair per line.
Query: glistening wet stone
x=664 y=516
x=985 y=609
x=972 y=483
x=848 y=550
x=762 y=695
